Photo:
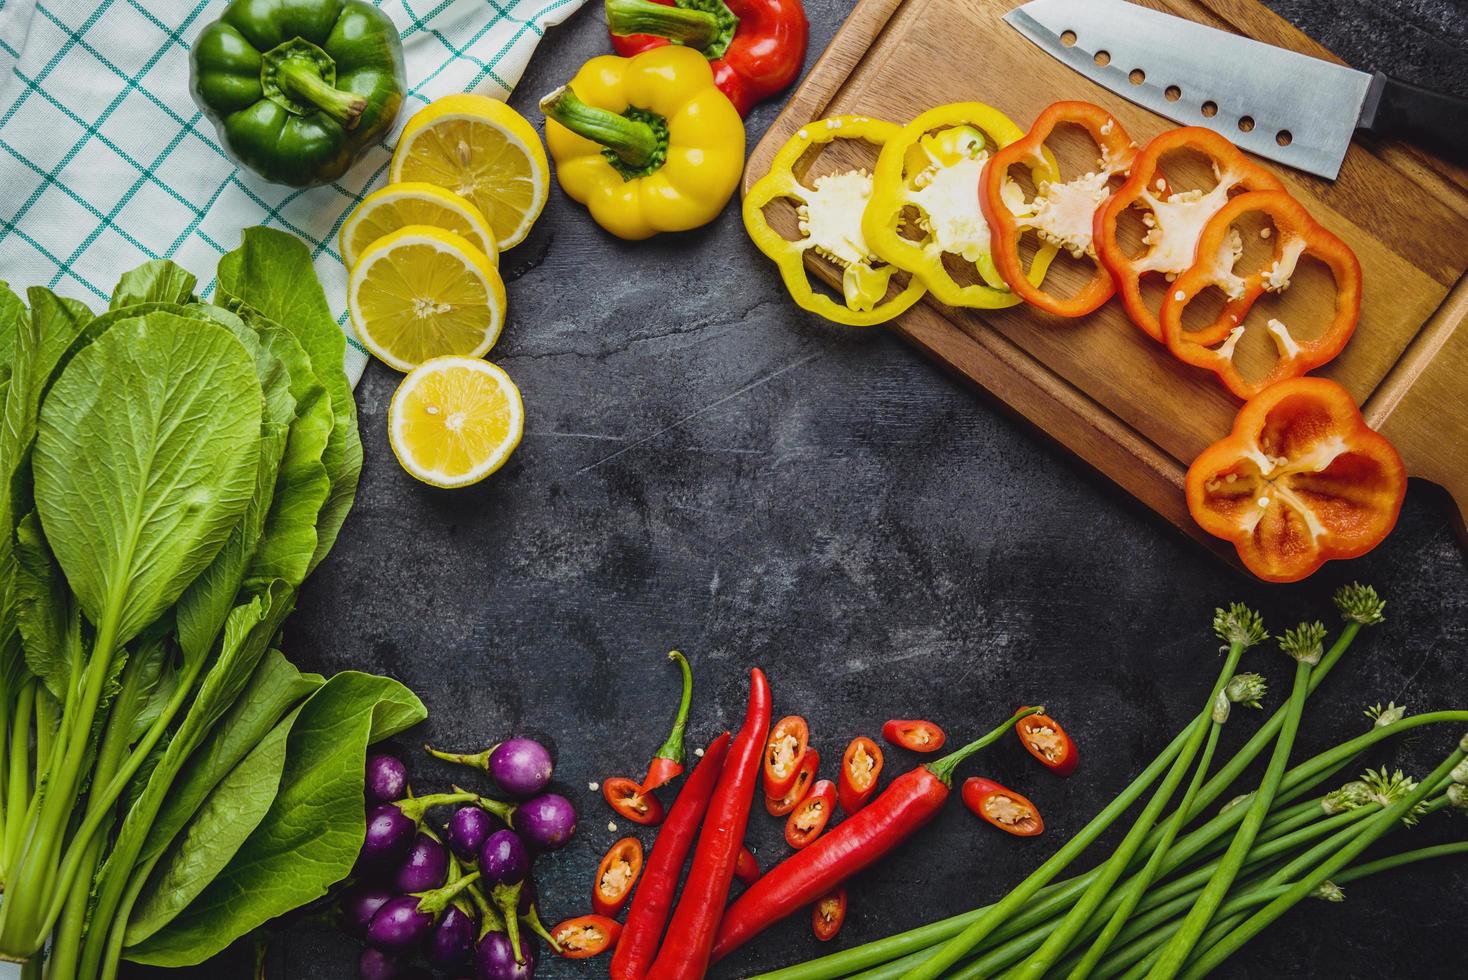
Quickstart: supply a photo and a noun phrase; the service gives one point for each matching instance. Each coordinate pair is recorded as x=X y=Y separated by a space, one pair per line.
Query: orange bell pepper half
x=1295 y=234
x=1300 y=481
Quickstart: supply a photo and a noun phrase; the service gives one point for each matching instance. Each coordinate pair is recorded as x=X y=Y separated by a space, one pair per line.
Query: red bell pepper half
x=914 y=735
x=586 y=936
x=1002 y=807
x=807 y=820
x=1044 y=739
x=755 y=47
x=784 y=751
x=828 y=915
x=627 y=798
x=804 y=779
x=616 y=875
x=861 y=766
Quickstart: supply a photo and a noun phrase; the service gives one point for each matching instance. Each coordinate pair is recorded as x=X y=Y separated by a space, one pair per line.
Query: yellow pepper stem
x=688 y=26
x=634 y=142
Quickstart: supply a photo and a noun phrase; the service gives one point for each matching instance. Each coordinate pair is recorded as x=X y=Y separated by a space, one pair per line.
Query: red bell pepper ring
x=915 y=735
x=667 y=763
x=1295 y=234
x=804 y=780
x=861 y=766
x=828 y=915
x=746 y=868
x=1300 y=480
x=1044 y=739
x=629 y=801
x=1002 y=807
x=806 y=821
x=653 y=901
x=616 y=875
x=755 y=47
x=784 y=751
x=586 y=936
x=1174 y=219
x=1061 y=214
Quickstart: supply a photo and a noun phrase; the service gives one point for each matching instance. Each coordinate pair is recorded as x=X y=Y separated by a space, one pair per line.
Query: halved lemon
x=455 y=420
x=482 y=150
x=414 y=203
x=422 y=292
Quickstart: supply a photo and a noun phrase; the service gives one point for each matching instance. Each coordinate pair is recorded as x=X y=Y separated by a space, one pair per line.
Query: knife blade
x=1281 y=105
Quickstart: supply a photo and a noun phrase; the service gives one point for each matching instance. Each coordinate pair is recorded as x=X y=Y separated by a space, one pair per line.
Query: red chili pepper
x=804 y=779
x=1002 y=807
x=784 y=751
x=807 y=820
x=746 y=869
x=860 y=767
x=586 y=936
x=828 y=915
x=654 y=900
x=667 y=763
x=1043 y=737
x=919 y=736
x=908 y=802
x=616 y=876
x=755 y=47
x=690 y=938
x=627 y=798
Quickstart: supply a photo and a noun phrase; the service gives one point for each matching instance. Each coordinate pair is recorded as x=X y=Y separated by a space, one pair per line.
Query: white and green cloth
x=106 y=162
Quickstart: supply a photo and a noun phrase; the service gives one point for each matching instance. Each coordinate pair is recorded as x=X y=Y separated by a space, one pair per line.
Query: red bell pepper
x=807 y=820
x=1044 y=739
x=755 y=47
x=804 y=779
x=667 y=763
x=654 y=899
x=746 y=868
x=616 y=875
x=784 y=751
x=1060 y=214
x=914 y=735
x=629 y=801
x=586 y=936
x=1002 y=807
x=686 y=948
x=861 y=766
x=1175 y=220
x=908 y=803
x=828 y=915
x=1295 y=234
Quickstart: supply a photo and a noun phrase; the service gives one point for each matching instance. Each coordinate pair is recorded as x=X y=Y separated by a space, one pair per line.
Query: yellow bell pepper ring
x=647 y=143
x=932 y=167
x=830 y=224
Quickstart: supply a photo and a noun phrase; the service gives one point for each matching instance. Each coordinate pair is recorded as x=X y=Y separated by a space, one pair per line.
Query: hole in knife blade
x=1137 y=76
x=1246 y=124
x=1068 y=39
x=1284 y=137
x=1173 y=93
x=1210 y=109
x=1103 y=58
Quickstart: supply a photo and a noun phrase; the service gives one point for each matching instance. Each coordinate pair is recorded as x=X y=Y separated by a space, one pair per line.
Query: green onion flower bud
x=1329 y=891
x=1247 y=689
x=1305 y=642
x=1221 y=706
x=1239 y=624
x=1360 y=603
x=1351 y=796
x=1460 y=772
x=1457 y=795
x=1389 y=715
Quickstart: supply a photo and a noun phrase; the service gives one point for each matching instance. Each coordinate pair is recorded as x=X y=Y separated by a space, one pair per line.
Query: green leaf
x=145 y=459
x=271 y=272
x=11 y=310
x=44 y=611
x=157 y=281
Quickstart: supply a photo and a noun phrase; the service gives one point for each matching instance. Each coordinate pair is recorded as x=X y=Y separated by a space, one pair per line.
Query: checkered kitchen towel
x=106 y=162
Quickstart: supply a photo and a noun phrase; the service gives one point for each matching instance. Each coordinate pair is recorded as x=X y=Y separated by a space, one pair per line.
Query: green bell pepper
x=297 y=88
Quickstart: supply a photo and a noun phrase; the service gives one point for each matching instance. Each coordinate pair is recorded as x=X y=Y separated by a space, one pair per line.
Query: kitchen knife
x=1285 y=106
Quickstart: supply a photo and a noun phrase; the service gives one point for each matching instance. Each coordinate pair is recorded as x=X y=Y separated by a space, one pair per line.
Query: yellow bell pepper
x=932 y=166
x=647 y=143
x=829 y=210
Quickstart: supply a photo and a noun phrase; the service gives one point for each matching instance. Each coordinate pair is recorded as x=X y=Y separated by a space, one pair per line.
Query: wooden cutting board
x=1099 y=385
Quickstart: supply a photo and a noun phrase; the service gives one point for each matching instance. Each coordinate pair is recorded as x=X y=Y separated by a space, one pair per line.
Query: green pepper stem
x=943 y=768
x=673 y=749
x=633 y=142
x=299 y=79
x=696 y=29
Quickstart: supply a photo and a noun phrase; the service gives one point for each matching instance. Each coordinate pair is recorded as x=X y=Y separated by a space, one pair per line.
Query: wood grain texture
x=1099 y=385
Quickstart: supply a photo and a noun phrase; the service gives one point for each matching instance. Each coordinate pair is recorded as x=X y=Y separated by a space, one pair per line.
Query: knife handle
x=1432 y=120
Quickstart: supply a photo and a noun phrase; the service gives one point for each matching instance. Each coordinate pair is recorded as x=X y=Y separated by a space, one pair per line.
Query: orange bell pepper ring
x=1174 y=220
x=1060 y=213
x=1300 y=481
x=1295 y=234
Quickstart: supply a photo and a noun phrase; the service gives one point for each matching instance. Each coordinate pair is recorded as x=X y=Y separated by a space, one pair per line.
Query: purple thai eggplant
x=386 y=778
x=425 y=867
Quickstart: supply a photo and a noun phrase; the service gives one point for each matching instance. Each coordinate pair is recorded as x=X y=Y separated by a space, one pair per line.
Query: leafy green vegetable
x=158 y=281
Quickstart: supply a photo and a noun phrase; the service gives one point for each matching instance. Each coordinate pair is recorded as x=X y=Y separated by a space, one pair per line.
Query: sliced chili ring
x=616 y=875
x=782 y=805
x=586 y=936
x=1002 y=807
x=1006 y=227
x=828 y=914
x=914 y=734
x=1044 y=739
x=784 y=751
x=746 y=868
x=809 y=818
x=1188 y=212
x=1295 y=234
x=627 y=797
x=861 y=765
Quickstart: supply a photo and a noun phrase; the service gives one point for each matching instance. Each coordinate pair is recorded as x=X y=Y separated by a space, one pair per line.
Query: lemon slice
x=482 y=150
x=422 y=292
x=455 y=420
x=414 y=203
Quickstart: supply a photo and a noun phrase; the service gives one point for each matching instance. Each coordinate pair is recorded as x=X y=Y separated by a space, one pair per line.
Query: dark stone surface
x=706 y=468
